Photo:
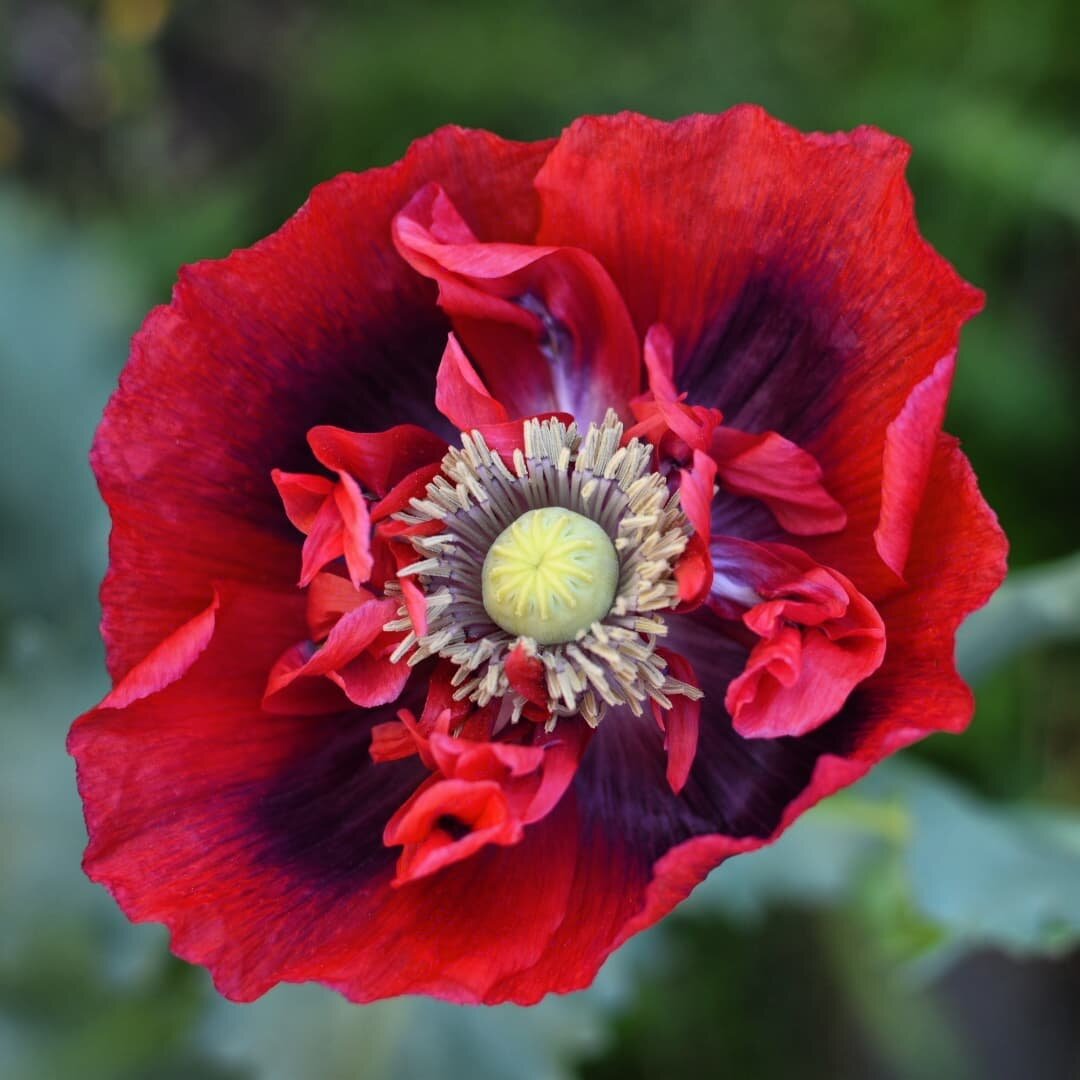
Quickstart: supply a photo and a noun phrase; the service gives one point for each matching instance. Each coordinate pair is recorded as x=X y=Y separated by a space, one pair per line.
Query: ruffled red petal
x=447 y=821
x=485 y=793
x=956 y=562
x=811 y=310
x=257 y=839
x=819 y=637
x=546 y=325
x=461 y=396
x=321 y=323
x=379 y=460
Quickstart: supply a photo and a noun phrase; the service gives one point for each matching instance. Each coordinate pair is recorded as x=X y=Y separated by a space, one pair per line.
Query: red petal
x=545 y=325
x=526 y=675
x=692 y=425
x=328 y=598
x=440 y=697
x=415 y=604
x=501 y=761
x=168 y=662
x=325 y=542
x=787 y=479
x=354 y=632
x=489 y=791
x=563 y=750
x=694 y=573
x=460 y=394
x=956 y=561
x=356 y=528
x=696 y=493
x=289 y=694
x=680 y=723
x=352 y=635
x=303 y=496
x=478 y=808
x=391 y=741
x=372 y=680
x=413 y=486
x=407 y=736
x=910 y=442
x=660 y=362
x=820 y=638
x=320 y=323
x=379 y=460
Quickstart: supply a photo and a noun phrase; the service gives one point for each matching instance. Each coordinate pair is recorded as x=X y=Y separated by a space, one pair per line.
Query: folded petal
x=356 y=528
x=405 y=490
x=956 y=561
x=447 y=821
x=809 y=310
x=696 y=492
x=786 y=478
x=376 y=681
x=168 y=661
x=302 y=495
x=910 y=443
x=379 y=460
x=329 y=597
x=819 y=637
x=546 y=326
x=460 y=394
x=485 y=793
x=680 y=723
x=325 y=540
x=526 y=675
x=321 y=323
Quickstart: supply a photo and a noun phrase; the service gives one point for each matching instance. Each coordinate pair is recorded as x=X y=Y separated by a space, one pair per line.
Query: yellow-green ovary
x=549 y=575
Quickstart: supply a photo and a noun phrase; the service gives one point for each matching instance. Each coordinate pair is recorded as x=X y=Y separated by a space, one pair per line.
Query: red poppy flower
x=516 y=534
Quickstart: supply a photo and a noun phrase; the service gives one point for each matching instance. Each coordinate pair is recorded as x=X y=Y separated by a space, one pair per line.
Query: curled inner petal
x=819 y=637
x=482 y=793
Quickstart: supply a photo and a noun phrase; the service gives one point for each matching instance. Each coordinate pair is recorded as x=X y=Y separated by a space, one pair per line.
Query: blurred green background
x=923 y=925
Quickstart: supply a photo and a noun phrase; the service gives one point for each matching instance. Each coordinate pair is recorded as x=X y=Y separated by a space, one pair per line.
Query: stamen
x=568 y=554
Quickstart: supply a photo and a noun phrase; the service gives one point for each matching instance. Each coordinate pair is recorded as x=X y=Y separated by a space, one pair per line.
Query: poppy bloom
x=519 y=532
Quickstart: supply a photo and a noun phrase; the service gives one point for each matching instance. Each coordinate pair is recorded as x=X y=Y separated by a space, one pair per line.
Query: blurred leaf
x=986 y=874
x=64 y=311
x=1032 y=608
x=284 y=1035
x=813 y=863
x=954 y=870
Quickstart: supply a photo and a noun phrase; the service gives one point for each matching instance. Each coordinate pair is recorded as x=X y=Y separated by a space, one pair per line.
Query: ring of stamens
x=611 y=661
